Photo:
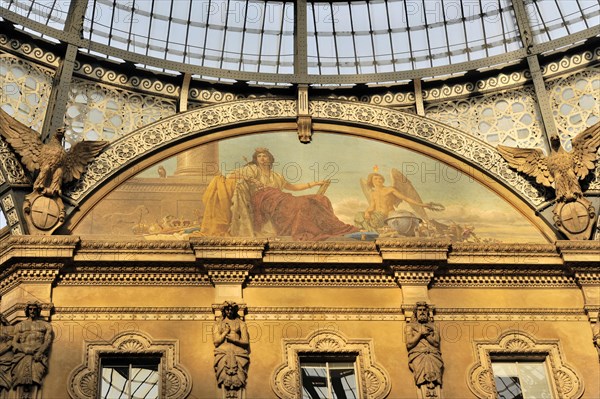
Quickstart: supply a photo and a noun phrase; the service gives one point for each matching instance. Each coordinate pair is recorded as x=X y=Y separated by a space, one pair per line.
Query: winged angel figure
x=383 y=200
x=52 y=163
x=562 y=168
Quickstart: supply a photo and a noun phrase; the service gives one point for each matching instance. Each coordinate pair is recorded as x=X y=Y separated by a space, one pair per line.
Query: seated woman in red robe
x=259 y=207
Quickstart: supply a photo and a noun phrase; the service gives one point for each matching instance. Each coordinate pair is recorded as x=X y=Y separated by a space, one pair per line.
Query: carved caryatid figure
x=232 y=353
x=31 y=342
x=562 y=168
x=6 y=357
x=423 y=344
x=51 y=161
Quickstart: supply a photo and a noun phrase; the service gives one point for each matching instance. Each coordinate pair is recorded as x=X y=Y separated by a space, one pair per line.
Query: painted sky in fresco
x=346 y=159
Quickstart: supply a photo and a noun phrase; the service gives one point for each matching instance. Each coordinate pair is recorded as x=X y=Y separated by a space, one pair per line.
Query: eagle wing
x=405 y=187
x=530 y=161
x=585 y=145
x=24 y=140
x=78 y=158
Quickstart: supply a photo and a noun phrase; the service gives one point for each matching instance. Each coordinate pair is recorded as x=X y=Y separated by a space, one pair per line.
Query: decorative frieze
x=133 y=313
x=91 y=251
x=134 y=279
x=322 y=252
x=322 y=280
x=125 y=80
x=474 y=253
x=503 y=281
x=228 y=248
x=413 y=249
x=29 y=50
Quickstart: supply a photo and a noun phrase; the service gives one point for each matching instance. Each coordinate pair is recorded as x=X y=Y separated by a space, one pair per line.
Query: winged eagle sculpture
x=561 y=168
x=53 y=164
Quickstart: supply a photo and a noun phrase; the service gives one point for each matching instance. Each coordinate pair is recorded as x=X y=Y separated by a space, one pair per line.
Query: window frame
x=518 y=345
x=516 y=358
x=373 y=381
x=330 y=358
x=130 y=360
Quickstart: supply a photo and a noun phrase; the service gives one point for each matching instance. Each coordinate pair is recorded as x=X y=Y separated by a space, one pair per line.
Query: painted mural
x=340 y=187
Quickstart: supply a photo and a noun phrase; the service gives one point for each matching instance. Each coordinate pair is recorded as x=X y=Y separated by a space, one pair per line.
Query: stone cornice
x=282 y=257
x=228 y=248
x=322 y=252
x=132 y=251
x=413 y=249
x=40 y=247
x=579 y=251
x=514 y=254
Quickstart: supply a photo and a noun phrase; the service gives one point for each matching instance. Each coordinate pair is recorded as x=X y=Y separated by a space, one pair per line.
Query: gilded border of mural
x=125 y=151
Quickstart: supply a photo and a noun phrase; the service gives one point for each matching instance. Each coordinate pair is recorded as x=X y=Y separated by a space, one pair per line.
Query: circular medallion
x=574 y=217
x=44 y=213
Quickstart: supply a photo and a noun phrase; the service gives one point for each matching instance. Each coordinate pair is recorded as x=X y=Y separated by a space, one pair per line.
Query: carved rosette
x=480 y=379
x=176 y=380
x=373 y=379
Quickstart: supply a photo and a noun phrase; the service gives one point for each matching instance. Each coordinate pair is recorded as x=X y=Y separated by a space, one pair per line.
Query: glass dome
x=315 y=42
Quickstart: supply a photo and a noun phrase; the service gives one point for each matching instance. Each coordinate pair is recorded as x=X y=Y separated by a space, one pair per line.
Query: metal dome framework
x=311 y=42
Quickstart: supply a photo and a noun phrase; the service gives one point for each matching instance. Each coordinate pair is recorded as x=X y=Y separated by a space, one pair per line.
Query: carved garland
x=374 y=382
x=563 y=379
x=176 y=382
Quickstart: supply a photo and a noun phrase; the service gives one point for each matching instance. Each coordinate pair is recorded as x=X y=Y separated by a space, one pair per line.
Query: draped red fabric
x=305 y=217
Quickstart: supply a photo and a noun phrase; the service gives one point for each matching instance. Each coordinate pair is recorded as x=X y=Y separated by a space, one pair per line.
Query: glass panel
x=343 y=381
x=534 y=380
x=314 y=381
x=114 y=382
x=521 y=380
x=129 y=378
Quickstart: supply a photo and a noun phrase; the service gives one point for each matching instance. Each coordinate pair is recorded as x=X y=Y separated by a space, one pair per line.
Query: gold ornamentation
x=127 y=81
x=176 y=380
x=497 y=118
x=567 y=383
x=375 y=381
x=24 y=90
x=29 y=50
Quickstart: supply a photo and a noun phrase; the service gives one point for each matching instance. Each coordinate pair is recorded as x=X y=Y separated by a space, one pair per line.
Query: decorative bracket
x=303 y=117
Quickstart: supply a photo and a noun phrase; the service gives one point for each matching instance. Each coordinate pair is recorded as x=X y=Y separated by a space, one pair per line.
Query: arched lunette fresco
x=164 y=138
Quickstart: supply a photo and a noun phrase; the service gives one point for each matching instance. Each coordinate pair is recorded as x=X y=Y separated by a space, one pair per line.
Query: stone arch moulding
x=143 y=147
x=563 y=379
x=176 y=382
x=373 y=380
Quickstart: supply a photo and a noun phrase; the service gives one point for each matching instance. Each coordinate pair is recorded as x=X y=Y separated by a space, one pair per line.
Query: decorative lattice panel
x=100 y=112
x=510 y=118
x=24 y=90
x=575 y=102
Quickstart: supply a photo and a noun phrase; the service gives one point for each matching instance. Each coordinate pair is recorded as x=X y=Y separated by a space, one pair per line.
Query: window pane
x=534 y=380
x=328 y=380
x=343 y=382
x=124 y=378
x=314 y=382
x=515 y=380
x=114 y=382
